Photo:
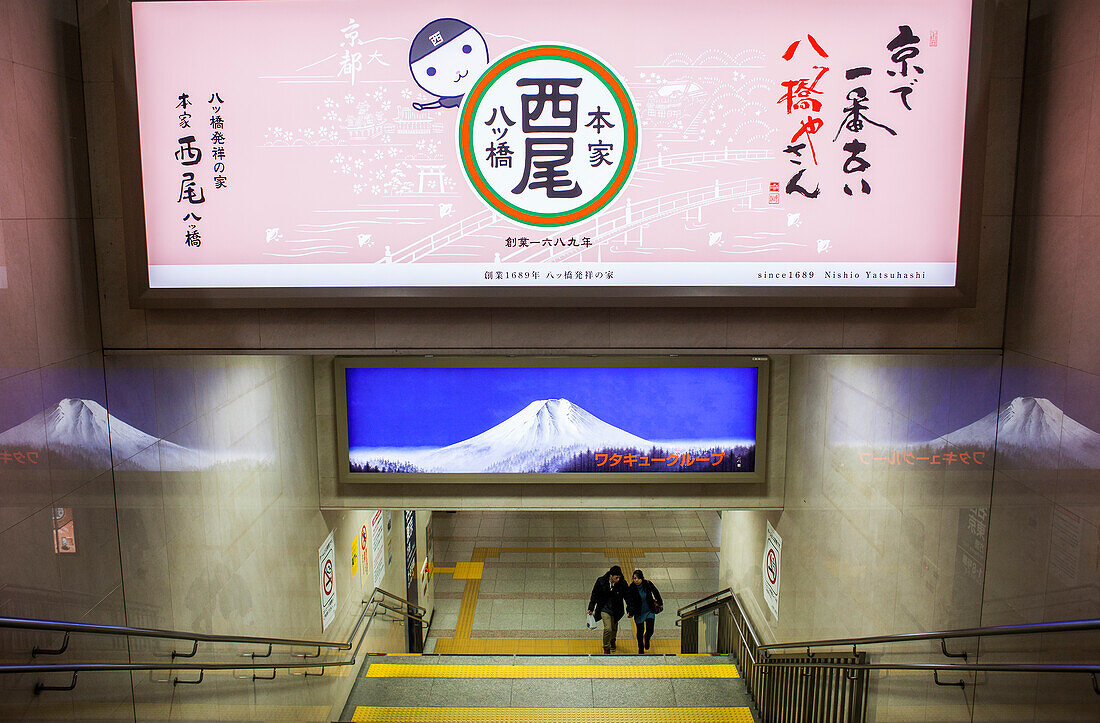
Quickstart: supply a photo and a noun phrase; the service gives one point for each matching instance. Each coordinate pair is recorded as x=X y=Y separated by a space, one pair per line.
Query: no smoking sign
x=326 y=563
x=773 y=547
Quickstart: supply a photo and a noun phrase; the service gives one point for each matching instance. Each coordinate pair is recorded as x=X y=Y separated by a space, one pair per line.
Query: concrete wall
x=1044 y=535
x=875 y=541
x=219 y=526
x=50 y=350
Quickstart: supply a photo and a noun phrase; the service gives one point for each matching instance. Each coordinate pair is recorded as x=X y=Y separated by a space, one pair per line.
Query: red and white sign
x=773 y=547
x=326 y=559
x=364 y=548
x=378 y=547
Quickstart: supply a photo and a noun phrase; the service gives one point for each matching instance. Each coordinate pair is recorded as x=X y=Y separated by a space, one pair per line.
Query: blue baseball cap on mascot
x=446 y=57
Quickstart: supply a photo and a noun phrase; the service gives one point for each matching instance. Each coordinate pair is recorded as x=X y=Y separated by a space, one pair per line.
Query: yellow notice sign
x=354 y=557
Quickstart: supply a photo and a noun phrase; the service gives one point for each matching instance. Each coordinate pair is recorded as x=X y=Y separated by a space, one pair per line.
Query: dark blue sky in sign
x=413 y=407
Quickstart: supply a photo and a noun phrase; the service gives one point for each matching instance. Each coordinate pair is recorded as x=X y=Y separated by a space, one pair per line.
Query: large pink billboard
x=335 y=143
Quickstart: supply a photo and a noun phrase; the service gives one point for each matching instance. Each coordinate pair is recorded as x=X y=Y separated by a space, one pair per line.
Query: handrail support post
x=936 y=678
x=306 y=674
x=179 y=681
x=36 y=651
x=943 y=647
x=253 y=654
x=194 y=649
x=39 y=687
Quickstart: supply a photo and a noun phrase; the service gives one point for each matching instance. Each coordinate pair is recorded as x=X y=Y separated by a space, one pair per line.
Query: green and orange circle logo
x=548 y=135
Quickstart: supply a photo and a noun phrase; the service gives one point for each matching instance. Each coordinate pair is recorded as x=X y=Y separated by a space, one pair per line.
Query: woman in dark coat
x=643 y=602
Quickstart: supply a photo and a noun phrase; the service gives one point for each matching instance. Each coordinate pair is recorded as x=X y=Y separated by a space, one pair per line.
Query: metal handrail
x=741 y=610
x=370 y=606
x=701 y=601
x=729 y=600
x=964 y=667
x=1063 y=626
x=122 y=630
x=748 y=648
x=399 y=599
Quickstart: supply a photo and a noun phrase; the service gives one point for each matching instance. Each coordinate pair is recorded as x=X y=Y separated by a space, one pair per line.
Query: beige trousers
x=610 y=629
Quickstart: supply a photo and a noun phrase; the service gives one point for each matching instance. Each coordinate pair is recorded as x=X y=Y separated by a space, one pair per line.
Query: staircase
x=548 y=689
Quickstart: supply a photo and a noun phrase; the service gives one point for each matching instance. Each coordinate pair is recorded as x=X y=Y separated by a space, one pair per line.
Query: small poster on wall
x=773 y=546
x=363 y=540
x=64 y=536
x=326 y=557
x=378 y=547
x=389 y=537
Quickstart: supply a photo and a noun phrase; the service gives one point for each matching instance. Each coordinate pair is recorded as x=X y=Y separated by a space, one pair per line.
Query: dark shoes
x=607 y=651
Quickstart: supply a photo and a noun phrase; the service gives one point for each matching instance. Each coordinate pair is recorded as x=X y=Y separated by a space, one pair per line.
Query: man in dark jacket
x=607 y=602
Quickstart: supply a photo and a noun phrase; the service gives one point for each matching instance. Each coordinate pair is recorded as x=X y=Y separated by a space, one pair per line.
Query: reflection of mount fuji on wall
x=532 y=440
x=80 y=430
x=1032 y=431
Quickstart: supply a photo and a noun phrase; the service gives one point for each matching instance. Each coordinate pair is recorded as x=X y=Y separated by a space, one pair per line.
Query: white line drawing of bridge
x=619 y=223
x=444 y=237
x=686 y=159
x=459 y=230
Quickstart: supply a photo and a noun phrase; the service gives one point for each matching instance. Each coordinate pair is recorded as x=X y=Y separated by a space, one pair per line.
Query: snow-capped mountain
x=543 y=432
x=1032 y=425
x=82 y=428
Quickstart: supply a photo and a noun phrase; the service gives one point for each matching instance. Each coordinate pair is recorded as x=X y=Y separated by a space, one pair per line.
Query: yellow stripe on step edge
x=370 y=714
x=505 y=672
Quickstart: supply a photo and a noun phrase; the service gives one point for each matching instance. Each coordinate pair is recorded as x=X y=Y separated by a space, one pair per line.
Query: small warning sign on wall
x=773 y=546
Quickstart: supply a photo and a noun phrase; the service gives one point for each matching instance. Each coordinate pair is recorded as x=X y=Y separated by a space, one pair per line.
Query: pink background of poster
x=322 y=170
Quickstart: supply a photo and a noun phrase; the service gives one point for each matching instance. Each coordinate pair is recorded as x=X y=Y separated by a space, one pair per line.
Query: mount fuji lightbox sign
x=552 y=419
x=401 y=154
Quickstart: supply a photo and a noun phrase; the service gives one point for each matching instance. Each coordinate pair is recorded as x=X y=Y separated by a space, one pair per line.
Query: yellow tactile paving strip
x=468 y=606
x=548 y=646
x=401 y=670
x=369 y=714
x=467 y=570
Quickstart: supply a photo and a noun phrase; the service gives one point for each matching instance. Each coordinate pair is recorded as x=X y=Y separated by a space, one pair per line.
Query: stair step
x=546 y=646
x=373 y=714
x=402 y=670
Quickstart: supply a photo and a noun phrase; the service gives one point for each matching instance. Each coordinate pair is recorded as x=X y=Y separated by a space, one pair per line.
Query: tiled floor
x=538 y=569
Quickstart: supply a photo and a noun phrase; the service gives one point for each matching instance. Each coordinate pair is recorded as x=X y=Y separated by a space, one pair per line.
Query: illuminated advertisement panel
x=415 y=146
x=566 y=419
